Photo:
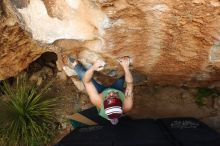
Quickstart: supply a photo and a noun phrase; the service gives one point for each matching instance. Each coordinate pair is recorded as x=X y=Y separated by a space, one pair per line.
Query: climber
x=111 y=101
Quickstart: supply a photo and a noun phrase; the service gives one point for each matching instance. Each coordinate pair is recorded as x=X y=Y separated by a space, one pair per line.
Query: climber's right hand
x=124 y=61
x=98 y=65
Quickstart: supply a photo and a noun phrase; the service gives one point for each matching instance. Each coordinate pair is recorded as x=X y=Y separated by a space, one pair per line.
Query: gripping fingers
x=124 y=60
x=99 y=65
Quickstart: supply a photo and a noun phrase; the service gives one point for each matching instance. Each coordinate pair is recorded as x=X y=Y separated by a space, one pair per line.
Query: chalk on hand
x=102 y=65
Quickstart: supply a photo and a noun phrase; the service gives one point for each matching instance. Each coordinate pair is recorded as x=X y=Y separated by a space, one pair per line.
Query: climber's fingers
x=125 y=60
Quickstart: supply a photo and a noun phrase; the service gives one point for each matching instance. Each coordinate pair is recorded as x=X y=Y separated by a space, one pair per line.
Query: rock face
x=171 y=42
x=17 y=49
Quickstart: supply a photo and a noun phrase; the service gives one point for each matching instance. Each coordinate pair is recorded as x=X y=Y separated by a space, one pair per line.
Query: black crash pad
x=144 y=132
x=92 y=114
x=190 y=132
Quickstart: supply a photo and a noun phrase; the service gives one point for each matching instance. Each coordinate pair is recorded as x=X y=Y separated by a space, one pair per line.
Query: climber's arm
x=128 y=101
x=90 y=88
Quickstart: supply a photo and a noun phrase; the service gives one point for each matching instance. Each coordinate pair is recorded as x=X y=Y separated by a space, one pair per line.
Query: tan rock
x=79 y=84
x=39 y=81
x=170 y=42
x=41 y=75
x=62 y=76
x=215 y=3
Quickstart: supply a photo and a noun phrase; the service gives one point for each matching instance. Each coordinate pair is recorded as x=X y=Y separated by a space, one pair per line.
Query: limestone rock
x=79 y=84
x=41 y=75
x=17 y=49
x=61 y=76
x=171 y=42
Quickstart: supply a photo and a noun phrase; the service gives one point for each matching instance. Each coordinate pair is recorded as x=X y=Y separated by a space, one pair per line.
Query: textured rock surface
x=171 y=42
x=17 y=49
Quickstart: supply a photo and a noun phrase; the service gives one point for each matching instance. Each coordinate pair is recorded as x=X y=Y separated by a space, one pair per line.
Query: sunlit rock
x=170 y=42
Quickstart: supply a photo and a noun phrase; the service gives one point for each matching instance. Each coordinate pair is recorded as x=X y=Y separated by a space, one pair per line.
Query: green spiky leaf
x=27 y=118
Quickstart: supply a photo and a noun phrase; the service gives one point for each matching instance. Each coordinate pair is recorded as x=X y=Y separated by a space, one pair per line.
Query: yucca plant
x=26 y=117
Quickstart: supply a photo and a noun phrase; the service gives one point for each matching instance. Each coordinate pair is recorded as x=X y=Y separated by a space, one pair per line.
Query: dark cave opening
x=47 y=59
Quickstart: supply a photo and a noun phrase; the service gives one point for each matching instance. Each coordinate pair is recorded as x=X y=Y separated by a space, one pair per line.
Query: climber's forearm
x=128 y=76
x=88 y=75
x=128 y=101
